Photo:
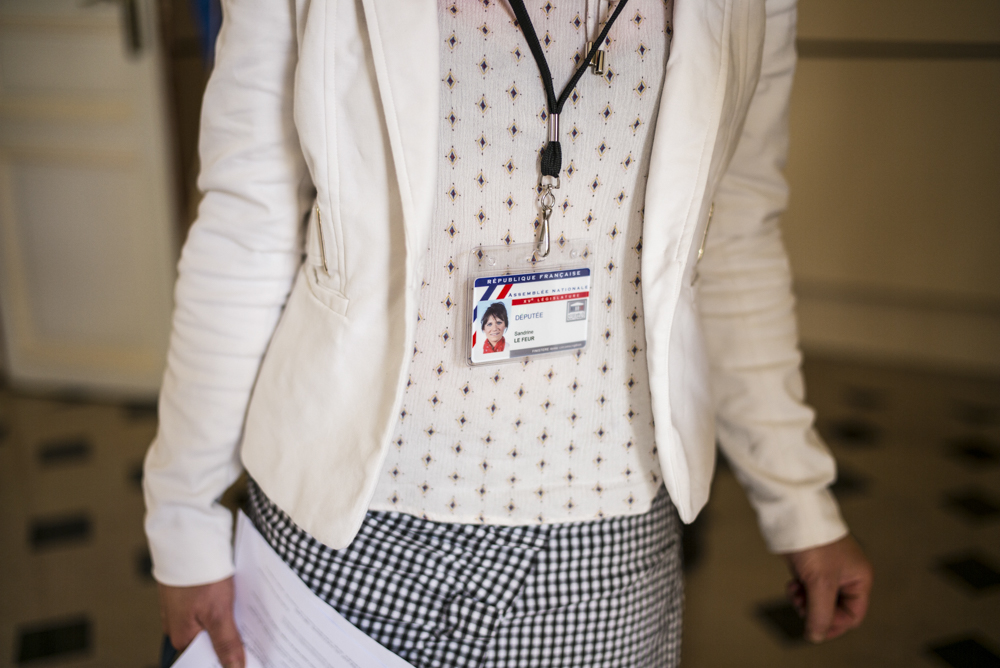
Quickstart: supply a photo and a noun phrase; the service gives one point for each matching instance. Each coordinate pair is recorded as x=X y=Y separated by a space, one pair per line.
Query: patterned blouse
x=543 y=439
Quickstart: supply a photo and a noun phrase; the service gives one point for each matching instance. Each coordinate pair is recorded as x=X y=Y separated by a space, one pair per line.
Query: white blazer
x=326 y=111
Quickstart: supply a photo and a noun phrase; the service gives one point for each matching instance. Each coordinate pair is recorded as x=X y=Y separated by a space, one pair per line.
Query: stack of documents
x=283 y=624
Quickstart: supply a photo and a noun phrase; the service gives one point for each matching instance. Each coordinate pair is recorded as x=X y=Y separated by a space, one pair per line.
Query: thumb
x=226 y=639
x=821 y=602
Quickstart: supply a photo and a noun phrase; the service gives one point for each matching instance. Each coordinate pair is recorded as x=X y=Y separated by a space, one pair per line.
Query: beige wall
x=894 y=222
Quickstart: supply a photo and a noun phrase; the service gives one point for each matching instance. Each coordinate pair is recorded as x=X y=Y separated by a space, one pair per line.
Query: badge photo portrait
x=490 y=326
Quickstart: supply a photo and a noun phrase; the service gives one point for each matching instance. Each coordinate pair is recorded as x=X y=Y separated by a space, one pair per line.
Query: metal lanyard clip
x=546 y=202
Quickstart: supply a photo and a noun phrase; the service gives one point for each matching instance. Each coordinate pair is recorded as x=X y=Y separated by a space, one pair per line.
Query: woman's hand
x=185 y=611
x=831 y=587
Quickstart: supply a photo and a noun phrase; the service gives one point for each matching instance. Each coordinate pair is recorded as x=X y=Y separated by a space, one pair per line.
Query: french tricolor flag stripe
x=504 y=289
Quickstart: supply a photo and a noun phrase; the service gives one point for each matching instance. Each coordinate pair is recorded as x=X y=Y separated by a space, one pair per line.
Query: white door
x=87 y=224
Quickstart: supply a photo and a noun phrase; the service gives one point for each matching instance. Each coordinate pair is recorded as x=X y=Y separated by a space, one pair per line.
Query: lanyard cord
x=552 y=153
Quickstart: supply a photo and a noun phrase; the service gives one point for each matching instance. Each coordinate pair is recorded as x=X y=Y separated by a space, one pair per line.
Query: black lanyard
x=552 y=153
x=551 y=159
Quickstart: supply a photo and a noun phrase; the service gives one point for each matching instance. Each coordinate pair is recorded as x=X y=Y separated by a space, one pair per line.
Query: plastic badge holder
x=521 y=304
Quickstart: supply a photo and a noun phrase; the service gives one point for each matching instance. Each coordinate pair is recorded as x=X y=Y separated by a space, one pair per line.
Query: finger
x=797 y=595
x=182 y=631
x=225 y=638
x=841 y=624
x=852 y=605
x=821 y=602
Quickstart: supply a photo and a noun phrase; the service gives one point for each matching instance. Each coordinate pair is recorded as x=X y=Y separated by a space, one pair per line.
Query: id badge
x=520 y=305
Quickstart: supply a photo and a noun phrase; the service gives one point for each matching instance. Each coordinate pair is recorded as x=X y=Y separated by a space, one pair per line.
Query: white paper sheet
x=282 y=623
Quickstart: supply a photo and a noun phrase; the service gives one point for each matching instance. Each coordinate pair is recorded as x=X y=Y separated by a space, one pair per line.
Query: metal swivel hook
x=546 y=202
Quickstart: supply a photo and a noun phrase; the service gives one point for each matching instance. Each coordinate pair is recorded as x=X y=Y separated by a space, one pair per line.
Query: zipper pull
x=701 y=249
x=704 y=236
x=319 y=238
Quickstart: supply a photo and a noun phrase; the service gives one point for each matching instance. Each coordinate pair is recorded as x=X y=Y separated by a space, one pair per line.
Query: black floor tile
x=973 y=505
x=722 y=464
x=144 y=565
x=865 y=398
x=976 y=452
x=977 y=414
x=853 y=432
x=73 y=450
x=71 y=398
x=54 y=639
x=849 y=483
x=141 y=410
x=972 y=570
x=693 y=541
x=965 y=653
x=135 y=475
x=781 y=619
x=60 y=531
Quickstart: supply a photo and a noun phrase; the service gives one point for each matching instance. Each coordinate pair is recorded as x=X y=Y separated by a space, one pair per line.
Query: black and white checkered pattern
x=596 y=594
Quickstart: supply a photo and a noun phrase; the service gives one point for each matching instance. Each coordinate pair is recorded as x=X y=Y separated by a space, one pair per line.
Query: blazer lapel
x=405 y=45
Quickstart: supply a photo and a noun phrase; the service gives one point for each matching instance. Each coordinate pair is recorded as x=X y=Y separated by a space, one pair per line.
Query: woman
x=459 y=514
x=494 y=324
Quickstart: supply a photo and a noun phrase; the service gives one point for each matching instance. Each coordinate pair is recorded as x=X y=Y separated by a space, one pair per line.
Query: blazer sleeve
x=235 y=273
x=764 y=428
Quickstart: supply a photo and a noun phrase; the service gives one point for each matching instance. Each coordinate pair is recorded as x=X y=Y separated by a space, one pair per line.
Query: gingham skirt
x=601 y=594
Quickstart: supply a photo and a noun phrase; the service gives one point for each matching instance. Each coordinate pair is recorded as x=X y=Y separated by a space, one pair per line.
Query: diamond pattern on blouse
x=540 y=462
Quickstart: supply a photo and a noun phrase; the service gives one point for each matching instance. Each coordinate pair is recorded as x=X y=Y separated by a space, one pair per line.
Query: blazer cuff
x=189 y=547
x=801 y=521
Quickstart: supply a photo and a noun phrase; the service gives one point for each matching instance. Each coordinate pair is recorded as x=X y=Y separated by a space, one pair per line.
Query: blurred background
x=893 y=232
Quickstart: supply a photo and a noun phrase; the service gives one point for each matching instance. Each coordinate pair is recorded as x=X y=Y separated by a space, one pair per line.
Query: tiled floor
x=919 y=484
